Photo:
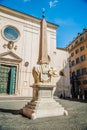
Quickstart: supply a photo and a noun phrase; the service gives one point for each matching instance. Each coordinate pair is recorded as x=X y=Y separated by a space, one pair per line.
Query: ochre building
x=78 y=65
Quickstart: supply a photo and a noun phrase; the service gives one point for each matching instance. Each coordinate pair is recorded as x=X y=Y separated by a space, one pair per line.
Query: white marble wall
x=63 y=82
x=28 y=51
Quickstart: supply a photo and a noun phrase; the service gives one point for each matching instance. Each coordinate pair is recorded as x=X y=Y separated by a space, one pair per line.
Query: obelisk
x=43 y=51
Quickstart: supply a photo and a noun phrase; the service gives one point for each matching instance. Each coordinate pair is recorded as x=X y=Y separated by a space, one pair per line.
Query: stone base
x=44 y=106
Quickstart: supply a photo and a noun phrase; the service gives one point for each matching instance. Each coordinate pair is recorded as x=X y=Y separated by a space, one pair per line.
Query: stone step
x=30 y=106
x=47 y=113
x=32 y=103
x=27 y=112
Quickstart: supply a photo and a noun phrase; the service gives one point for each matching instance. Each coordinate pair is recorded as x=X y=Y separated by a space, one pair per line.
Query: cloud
x=26 y=0
x=53 y=3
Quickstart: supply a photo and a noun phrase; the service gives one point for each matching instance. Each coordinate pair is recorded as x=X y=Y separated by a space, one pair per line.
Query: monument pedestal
x=43 y=104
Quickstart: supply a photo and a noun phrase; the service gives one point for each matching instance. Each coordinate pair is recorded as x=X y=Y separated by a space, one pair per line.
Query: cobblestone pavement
x=11 y=120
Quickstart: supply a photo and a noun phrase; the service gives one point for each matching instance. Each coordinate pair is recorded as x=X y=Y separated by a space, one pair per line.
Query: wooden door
x=7 y=79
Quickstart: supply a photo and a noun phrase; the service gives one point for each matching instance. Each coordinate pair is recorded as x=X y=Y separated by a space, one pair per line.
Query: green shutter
x=4 y=79
x=12 y=81
x=7 y=79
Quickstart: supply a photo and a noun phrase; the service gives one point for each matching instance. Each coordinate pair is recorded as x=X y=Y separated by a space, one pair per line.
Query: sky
x=70 y=15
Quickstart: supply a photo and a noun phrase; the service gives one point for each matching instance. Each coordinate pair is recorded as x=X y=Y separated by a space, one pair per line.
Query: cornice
x=13 y=55
x=63 y=49
x=23 y=16
x=76 y=45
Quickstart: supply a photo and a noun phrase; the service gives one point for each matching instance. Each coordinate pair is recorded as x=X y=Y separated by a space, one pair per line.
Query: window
x=76 y=51
x=79 y=82
x=84 y=81
x=83 y=58
x=73 y=63
x=72 y=54
x=73 y=73
x=84 y=71
x=77 y=60
x=10 y=33
x=81 y=48
x=81 y=39
x=78 y=72
x=76 y=42
x=71 y=46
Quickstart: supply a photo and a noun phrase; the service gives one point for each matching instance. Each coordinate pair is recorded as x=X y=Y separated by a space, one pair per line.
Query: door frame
x=11 y=59
x=17 y=73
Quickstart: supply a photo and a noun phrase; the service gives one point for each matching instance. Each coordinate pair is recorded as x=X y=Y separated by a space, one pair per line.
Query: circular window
x=10 y=33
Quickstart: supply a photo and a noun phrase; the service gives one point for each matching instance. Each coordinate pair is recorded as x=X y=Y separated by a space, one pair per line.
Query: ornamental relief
x=10 y=34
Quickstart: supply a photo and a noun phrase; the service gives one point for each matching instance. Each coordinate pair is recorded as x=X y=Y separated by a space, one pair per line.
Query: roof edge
x=25 y=16
x=63 y=49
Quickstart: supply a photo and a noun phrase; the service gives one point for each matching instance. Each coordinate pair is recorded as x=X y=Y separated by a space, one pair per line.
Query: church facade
x=20 y=37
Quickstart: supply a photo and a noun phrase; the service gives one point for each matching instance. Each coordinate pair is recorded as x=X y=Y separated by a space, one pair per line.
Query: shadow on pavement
x=75 y=99
x=15 y=112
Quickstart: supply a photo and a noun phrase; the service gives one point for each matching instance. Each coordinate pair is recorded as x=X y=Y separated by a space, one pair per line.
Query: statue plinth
x=43 y=91
x=43 y=104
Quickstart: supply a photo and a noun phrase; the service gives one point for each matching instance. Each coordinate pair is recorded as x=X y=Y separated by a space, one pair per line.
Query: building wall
x=78 y=49
x=61 y=62
x=28 y=49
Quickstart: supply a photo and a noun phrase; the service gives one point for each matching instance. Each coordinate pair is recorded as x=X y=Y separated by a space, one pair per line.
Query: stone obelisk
x=43 y=104
x=43 y=52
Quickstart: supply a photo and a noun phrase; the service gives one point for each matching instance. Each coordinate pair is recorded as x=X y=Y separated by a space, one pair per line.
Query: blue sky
x=70 y=15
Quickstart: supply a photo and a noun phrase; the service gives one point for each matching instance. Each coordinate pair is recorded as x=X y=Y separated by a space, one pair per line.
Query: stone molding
x=27 y=17
x=14 y=58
